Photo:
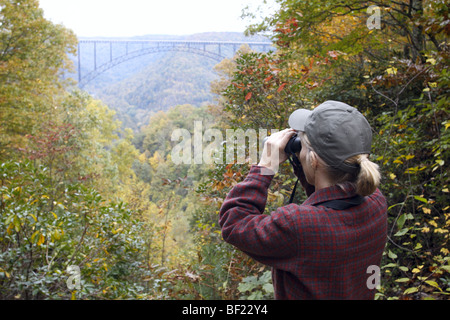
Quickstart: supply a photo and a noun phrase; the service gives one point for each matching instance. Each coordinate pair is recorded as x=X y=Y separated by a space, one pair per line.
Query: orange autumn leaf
x=281 y=87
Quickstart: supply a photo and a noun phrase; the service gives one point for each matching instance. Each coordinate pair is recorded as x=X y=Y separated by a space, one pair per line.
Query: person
x=325 y=247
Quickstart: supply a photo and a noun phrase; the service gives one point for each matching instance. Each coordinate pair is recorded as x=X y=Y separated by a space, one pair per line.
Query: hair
x=366 y=180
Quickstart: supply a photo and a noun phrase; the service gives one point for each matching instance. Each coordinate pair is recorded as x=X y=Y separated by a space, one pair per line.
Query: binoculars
x=293 y=146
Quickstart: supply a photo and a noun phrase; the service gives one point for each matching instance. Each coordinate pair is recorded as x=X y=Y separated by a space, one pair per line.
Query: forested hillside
x=93 y=206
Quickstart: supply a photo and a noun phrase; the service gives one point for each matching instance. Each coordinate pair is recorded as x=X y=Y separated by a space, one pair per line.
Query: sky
x=126 y=18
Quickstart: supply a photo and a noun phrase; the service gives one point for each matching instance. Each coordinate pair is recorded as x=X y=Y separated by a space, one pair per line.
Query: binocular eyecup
x=294 y=145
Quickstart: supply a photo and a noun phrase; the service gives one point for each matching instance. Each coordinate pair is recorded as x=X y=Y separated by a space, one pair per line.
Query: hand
x=273 y=154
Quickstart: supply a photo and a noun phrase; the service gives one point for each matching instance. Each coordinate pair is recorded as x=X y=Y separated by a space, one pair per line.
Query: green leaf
x=411 y=290
x=421 y=199
x=401 y=221
x=392 y=255
x=17 y=224
x=402 y=280
x=9 y=219
x=401 y=232
x=257 y=295
x=268 y=288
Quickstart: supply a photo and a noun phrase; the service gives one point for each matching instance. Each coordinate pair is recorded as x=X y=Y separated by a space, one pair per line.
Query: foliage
x=43 y=233
x=259 y=288
x=32 y=59
x=413 y=149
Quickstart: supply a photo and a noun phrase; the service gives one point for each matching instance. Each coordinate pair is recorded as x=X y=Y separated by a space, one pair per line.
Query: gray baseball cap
x=336 y=131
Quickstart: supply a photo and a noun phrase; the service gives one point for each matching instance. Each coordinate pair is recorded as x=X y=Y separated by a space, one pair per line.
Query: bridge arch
x=136 y=54
x=196 y=47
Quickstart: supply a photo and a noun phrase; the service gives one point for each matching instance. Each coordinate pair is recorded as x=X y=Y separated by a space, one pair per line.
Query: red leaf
x=281 y=87
x=248 y=96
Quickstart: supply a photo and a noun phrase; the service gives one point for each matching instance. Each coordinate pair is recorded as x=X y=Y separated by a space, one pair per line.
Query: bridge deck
x=260 y=43
x=205 y=48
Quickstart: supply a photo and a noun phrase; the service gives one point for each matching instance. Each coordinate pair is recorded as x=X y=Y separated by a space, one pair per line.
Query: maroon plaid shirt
x=315 y=252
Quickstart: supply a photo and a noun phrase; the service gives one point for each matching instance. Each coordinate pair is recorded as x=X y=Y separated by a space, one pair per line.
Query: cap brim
x=298 y=118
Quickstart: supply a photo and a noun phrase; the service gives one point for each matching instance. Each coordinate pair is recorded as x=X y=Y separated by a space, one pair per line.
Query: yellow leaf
x=447 y=124
x=41 y=240
x=432 y=61
x=433 y=284
x=57 y=235
x=392 y=70
x=426 y=210
x=6 y=273
x=34 y=217
x=34 y=235
x=445 y=190
x=392 y=176
x=432 y=222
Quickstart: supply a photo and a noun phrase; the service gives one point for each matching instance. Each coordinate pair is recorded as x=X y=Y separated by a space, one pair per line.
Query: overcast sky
x=122 y=18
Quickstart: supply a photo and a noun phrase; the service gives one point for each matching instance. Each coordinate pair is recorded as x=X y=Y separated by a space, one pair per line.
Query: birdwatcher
x=324 y=247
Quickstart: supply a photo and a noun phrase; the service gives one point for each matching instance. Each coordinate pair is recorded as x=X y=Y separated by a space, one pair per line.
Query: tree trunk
x=417 y=34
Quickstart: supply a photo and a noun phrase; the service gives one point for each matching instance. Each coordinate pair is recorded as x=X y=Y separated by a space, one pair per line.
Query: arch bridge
x=102 y=55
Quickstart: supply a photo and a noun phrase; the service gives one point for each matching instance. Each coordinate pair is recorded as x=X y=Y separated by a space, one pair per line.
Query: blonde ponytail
x=369 y=177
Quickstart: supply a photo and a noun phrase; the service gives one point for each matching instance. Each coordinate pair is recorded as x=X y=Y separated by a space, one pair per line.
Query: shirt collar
x=342 y=191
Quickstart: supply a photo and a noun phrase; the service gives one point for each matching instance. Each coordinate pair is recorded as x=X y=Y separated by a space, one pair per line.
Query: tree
x=33 y=56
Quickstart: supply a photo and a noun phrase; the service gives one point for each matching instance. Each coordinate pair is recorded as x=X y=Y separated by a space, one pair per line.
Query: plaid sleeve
x=266 y=238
